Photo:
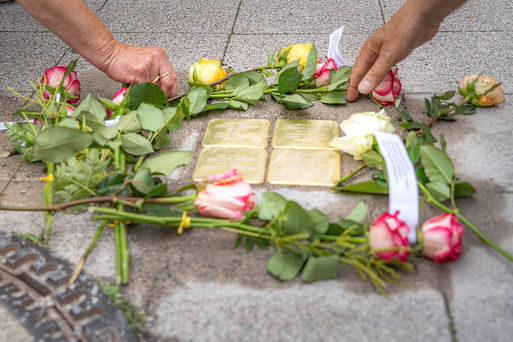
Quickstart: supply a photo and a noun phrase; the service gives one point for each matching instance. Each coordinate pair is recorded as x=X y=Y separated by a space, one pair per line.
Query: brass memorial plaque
x=250 y=162
x=304 y=134
x=237 y=133
x=304 y=167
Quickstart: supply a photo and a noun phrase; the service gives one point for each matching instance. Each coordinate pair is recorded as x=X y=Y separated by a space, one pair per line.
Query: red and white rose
x=441 y=238
x=388 y=237
x=53 y=76
x=118 y=98
x=225 y=196
x=388 y=90
x=322 y=72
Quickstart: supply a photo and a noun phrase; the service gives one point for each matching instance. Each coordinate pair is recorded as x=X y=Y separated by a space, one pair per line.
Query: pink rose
x=482 y=85
x=69 y=110
x=388 y=233
x=71 y=84
x=225 y=196
x=388 y=90
x=118 y=98
x=441 y=237
x=322 y=72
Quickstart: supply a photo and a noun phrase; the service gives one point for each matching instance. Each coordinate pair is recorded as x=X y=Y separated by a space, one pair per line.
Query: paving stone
x=16 y=19
x=25 y=57
x=475 y=15
x=312 y=16
x=177 y=17
x=303 y=313
x=11 y=329
x=441 y=63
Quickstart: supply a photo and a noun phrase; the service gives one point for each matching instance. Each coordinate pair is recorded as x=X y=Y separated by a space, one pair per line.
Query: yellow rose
x=297 y=52
x=207 y=71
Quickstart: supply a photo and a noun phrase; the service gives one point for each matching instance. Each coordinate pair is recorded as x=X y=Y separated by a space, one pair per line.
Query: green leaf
x=404 y=115
x=443 y=143
x=373 y=159
x=465 y=109
x=161 y=139
x=287 y=265
x=68 y=122
x=359 y=213
x=111 y=184
x=271 y=206
x=173 y=118
x=166 y=162
x=288 y=80
x=237 y=81
x=255 y=77
x=333 y=97
x=151 y=117
x=429 y=111
x=143 y=181
x=411 y=139
x=136 y=144
x=234 y=104
x=463 y=190
x=311 y=64
x=414 y=153
x=320 y=268
x=198 y=97
x=366 y=188
x=249 y=243
x=320 y=220
x=129 y=123
x=295 y=220
x=421 y=174
x=295 y=102
x=146 y=92
x=250 y=94
x=218 y=105
x=439 y=190
x=339 y=77
x=438 y=166
x=92 y=107
x=446 y=96
x=57 y=144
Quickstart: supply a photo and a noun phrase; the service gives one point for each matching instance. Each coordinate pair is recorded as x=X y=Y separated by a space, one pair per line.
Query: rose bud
x=441 y=238
x=297 y=52
x=71 y=84
x=388 y=90
x=225 y=196
x=118 y=98
x=322 y=72
x=389 y=234
x=482 y=85
x=358 y=130
x=69 y=110
x=207 y=71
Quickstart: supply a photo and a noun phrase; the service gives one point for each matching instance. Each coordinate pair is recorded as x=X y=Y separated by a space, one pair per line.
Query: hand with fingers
x=416 y=22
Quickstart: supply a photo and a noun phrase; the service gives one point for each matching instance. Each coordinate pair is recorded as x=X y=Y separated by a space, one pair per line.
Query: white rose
x=358 y=130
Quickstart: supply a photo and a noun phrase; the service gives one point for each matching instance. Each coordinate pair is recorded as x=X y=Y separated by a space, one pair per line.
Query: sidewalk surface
x=197 y=287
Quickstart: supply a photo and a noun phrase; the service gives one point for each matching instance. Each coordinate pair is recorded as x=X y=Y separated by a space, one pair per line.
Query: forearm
x=74 y=23
x=433 y=11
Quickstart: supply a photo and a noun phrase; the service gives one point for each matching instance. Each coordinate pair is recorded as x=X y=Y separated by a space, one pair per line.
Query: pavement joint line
x=452 y=325
x=232 y=31
x=382 y=11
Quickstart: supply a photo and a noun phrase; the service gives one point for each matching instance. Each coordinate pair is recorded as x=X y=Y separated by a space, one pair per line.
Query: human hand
x=134 y=64
x=387 y=46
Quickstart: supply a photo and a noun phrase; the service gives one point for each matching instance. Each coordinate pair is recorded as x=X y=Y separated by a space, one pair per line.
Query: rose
x=206 y=71
x=322 y=72
x=225 y=196
x=69 y=110
x=358 y=130
x=388 y=237
x=297 y=52
x=118 y=98
x=441 y=238
x=478 y=90
x=387 y=91
x=53 y=76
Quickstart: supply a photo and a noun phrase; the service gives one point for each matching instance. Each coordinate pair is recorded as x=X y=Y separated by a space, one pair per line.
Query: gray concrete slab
x=201 y=17
x=16 y=19
x=11 y=329
x=25 y=56
x=474 y=15
x=439 y=64
x=311 y=16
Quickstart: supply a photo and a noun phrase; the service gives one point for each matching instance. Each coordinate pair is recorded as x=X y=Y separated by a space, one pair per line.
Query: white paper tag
x=333 y=51
x=4 y=125
x=110 y=123
x=403 y=192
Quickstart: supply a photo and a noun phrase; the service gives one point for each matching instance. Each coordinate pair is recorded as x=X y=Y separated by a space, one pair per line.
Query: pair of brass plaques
x=300 y=154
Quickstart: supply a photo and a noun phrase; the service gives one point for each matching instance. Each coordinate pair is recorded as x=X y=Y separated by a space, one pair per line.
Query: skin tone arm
x=416 y=22
x=74 y=23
